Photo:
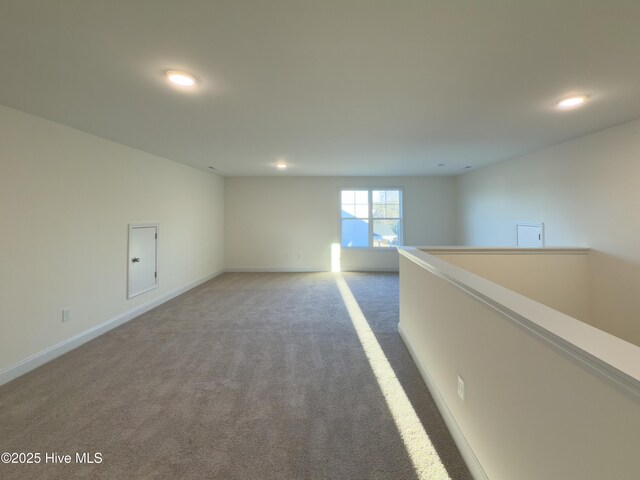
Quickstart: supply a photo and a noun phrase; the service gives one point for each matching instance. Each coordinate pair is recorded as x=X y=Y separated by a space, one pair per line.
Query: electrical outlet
x=66 y=315
x=461 y=388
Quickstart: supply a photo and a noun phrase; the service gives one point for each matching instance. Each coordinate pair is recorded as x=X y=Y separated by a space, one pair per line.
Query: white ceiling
x=337 y=87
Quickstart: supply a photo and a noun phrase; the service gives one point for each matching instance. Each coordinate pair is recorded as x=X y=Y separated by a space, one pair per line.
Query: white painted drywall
x=66 y=198
x=558 y=280
x=587 y=193
x=289 y=223
x=530 y=411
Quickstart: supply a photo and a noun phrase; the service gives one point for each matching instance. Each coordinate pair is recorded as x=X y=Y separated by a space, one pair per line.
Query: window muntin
x=371 y=217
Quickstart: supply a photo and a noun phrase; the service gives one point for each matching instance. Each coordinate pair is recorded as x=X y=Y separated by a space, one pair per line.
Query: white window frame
x=369 y=191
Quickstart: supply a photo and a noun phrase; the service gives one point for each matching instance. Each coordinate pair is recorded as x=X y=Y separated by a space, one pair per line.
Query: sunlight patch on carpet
x=423 y=454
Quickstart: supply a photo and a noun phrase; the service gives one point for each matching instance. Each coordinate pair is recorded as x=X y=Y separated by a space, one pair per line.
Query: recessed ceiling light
x=181 y=79
x=573 y=101
x=440 y=165
x=468 y=166
x=212 y=168
x=281 y=164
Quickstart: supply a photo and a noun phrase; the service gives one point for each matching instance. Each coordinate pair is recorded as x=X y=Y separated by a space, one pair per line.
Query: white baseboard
x=34 y=361
x=274 y=269
x=372 y=269
x=467 y=453
x=305 y=269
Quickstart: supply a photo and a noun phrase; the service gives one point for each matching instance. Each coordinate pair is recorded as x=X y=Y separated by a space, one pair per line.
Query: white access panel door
x=530 y=235
x=142 y=259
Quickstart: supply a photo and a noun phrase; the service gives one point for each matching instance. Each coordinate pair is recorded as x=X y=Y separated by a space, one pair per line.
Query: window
x=371 y=217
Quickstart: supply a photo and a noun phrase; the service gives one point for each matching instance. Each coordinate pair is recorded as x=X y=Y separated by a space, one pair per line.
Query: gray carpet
x=249 y=376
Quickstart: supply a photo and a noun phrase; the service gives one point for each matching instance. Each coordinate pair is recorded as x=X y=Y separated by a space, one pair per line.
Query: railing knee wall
x=544 y=396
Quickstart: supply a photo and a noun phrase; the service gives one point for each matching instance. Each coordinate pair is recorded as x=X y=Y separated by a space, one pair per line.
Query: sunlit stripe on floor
x=424 y=457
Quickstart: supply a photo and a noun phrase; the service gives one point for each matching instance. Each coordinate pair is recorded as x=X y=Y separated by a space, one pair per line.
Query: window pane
x=348 y=211
x=379 y=210
x=386 y=233
x=393 y=211
x=378 y=196
x=355 y=233
x=362 y=211
x=393 y=196
x=362 y=197
x=348 y=196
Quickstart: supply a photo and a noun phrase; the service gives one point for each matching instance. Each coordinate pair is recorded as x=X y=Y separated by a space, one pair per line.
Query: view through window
x=371 y=217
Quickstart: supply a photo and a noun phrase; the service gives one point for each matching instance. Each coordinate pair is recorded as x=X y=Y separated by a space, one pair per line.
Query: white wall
x=66 y=198
x=558 y=280
x=290 y=223
x=587 y=192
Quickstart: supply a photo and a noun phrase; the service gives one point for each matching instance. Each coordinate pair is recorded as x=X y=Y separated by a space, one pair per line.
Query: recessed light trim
x=571 y=102
x=180 y=79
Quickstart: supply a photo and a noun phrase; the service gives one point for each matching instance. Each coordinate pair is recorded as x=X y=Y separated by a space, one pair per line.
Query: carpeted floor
x=249 y=376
